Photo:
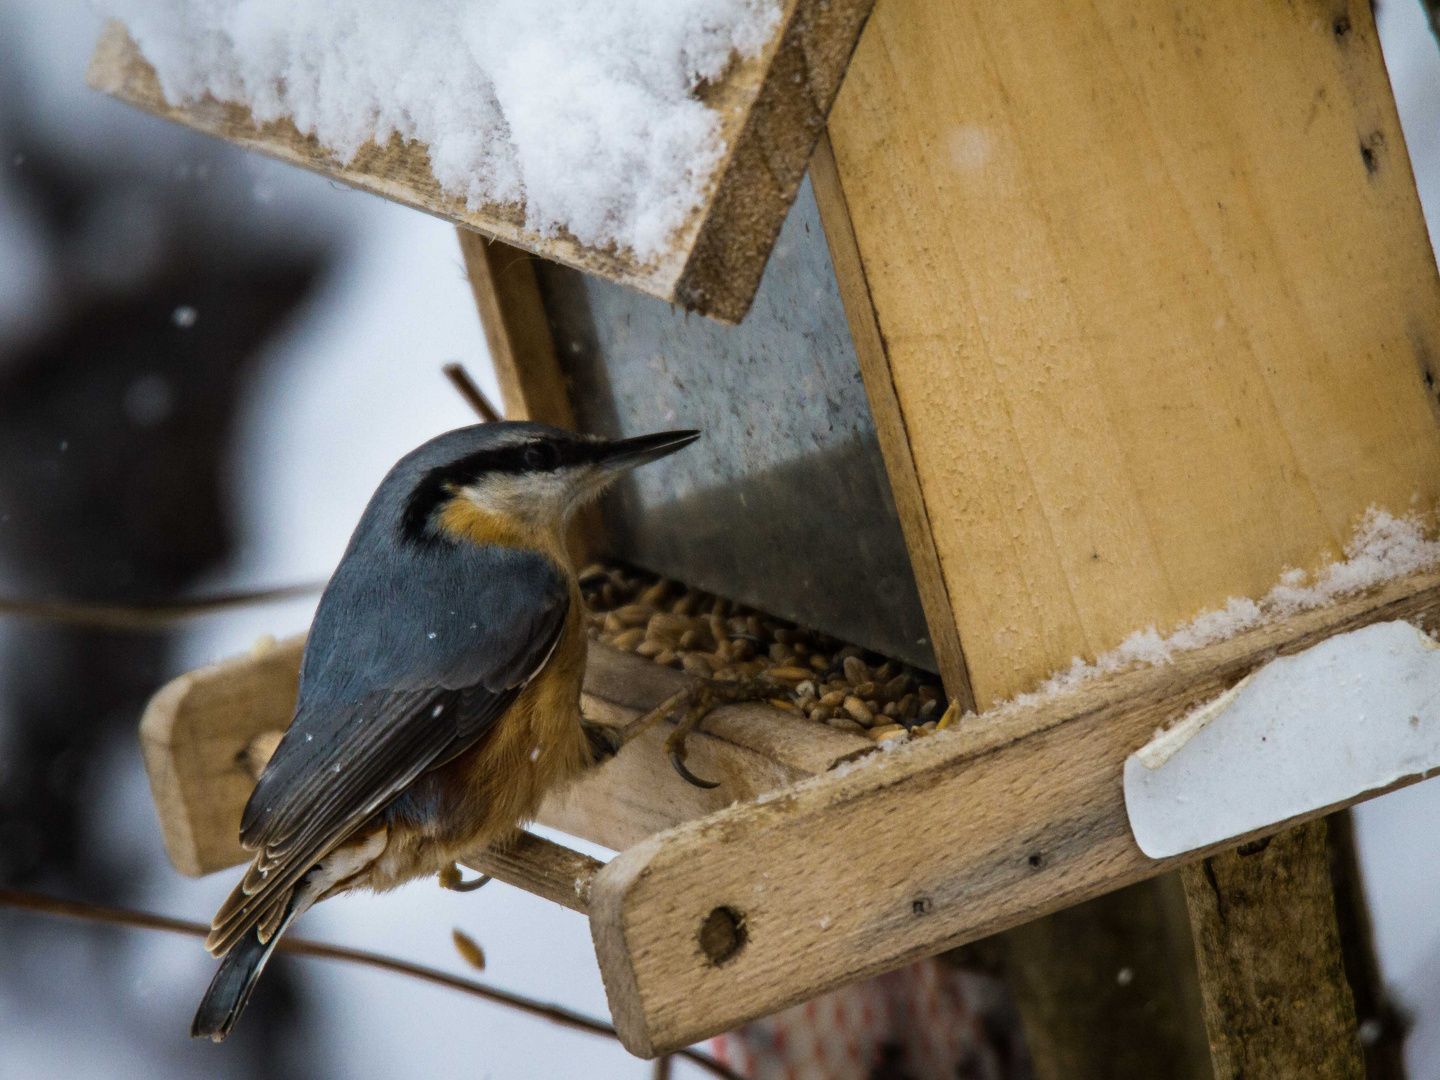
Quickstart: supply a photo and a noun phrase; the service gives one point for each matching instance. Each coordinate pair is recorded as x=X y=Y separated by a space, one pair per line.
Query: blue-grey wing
x=410 y=660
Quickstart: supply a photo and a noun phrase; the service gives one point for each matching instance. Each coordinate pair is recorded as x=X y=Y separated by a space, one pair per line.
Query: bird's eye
x=541 y=455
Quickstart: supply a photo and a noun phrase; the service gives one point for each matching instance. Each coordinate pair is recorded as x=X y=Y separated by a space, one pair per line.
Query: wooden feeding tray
x=1145 y=312
x=772 y=109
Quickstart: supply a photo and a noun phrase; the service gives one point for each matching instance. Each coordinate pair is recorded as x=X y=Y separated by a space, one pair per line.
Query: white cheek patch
x=539 y=498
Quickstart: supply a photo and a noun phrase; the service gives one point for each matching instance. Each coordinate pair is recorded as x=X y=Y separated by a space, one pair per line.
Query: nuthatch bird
x=440 y=686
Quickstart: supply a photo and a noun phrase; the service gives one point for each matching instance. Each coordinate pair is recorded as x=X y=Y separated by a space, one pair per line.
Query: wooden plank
x=754 y=748
x=516 y=331
x=946 y=840
x=889 y=424
x=197 y=730
x=772 y=108
x=1277 y=1005
x=1156 y=298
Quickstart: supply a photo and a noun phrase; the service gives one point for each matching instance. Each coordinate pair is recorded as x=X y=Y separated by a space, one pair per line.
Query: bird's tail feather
x=229 y=991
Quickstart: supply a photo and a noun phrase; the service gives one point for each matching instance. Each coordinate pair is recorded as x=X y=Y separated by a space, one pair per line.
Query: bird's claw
x=677 y=758
x=450 y=878
x=697 y=701
x=700 y=701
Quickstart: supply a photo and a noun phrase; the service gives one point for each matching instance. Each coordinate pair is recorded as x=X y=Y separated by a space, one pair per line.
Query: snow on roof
x=581 y=111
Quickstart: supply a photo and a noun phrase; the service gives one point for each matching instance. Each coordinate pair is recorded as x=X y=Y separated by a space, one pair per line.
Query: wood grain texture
x=1014 y=815
x=197 y=729
x=1277 y=1005
x=512 y=316
x=1156 y=297
x=889 y=424
x=772 y=107
x=768 y=154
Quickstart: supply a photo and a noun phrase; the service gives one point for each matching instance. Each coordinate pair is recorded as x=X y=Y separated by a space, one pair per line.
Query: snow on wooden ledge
x=1354 y=715
x=770 y=107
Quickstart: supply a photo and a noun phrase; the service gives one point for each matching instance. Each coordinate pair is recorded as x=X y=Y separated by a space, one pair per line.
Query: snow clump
x=581 y=111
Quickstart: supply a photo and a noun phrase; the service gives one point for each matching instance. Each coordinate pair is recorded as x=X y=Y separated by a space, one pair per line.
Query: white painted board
x=1353 y=715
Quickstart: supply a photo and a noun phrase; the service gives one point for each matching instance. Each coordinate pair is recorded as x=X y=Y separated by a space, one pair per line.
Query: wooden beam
x=946 y=840
x=772 y=107
x=517 y=333
x=204 y=734
x=1277 y=1005
x=1109 y=245
x=1096 y=246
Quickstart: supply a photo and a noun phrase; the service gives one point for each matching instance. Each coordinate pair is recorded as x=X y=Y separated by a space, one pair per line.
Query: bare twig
x=143 y=920
x=460 y=379
x=147 y=616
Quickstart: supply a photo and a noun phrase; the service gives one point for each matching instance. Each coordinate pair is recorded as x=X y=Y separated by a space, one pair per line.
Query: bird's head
x=520 y=475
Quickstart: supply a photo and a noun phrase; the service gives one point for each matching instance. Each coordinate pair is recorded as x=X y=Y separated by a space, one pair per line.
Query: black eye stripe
x=540 y=456
x=532 y=456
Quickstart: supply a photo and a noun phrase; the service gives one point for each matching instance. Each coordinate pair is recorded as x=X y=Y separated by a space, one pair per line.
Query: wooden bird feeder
x=1145 y=314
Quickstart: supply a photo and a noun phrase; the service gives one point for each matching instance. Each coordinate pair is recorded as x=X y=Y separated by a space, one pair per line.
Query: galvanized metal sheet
x=784 y=504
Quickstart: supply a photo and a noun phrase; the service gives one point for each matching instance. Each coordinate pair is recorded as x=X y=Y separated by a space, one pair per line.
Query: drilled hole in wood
x=722 y=934
x=1036 y=860
x=922 y=905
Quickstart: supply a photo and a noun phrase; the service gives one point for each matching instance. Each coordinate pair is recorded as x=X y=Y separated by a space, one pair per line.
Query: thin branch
x=143 y=920
x=461 y=380
x=148 y=616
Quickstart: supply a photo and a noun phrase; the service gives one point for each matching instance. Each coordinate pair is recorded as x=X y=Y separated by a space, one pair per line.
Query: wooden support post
x=1267 y=944
x=1107 y=989
x=516 y=331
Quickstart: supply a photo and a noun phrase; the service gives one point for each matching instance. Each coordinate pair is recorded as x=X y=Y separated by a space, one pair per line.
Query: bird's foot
x=694 y=703
x=449 y=878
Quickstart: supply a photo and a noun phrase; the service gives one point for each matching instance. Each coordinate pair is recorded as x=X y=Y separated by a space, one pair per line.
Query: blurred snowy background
x=207 y=362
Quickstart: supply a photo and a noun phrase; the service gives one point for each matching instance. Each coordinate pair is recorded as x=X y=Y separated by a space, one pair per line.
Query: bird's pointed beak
x=642 y=449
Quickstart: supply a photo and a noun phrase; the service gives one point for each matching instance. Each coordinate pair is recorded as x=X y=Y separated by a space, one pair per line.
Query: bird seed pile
x=708 y=636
